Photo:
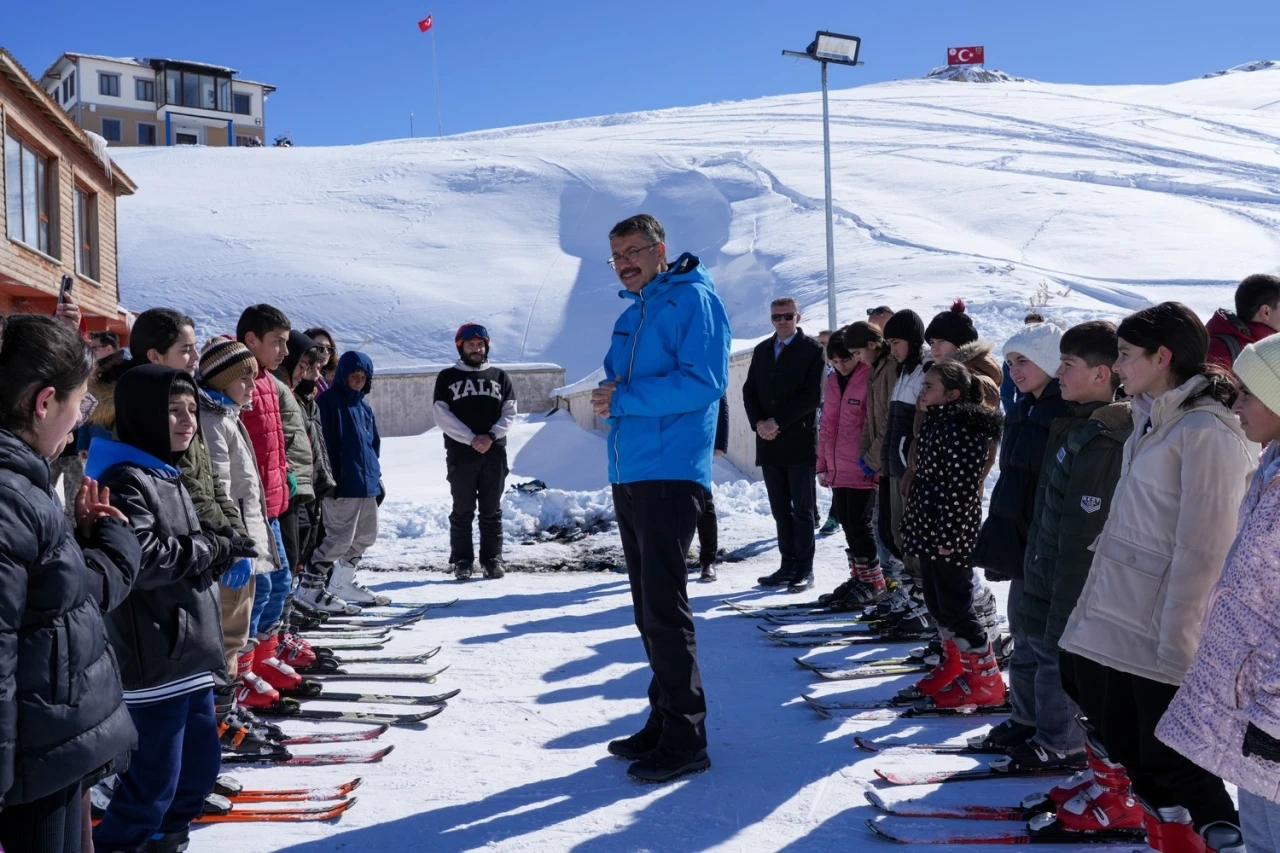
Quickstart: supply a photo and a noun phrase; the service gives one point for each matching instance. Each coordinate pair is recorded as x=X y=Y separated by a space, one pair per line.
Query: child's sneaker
x=831 y=525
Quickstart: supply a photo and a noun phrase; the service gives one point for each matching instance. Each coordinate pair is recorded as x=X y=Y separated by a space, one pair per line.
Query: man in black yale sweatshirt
x=474 y=408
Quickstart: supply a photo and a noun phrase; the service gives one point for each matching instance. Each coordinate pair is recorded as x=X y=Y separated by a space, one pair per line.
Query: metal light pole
x=842 y=50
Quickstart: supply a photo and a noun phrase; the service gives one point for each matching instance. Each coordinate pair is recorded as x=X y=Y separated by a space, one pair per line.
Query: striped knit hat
x=224 y=361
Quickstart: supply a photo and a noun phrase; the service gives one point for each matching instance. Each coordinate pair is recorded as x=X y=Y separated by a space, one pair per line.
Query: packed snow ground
x=1097 y=199
x=551 y=669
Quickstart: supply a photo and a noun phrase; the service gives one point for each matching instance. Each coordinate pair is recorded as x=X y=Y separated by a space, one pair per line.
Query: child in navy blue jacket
x=167 y=634
x=351 y=514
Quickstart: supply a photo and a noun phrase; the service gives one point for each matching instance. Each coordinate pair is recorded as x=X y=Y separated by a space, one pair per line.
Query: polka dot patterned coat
x=944 y=508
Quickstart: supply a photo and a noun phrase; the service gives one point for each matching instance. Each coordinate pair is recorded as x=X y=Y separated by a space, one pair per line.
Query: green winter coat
x=1081 y=468
x=297 y=446
x=208 y=493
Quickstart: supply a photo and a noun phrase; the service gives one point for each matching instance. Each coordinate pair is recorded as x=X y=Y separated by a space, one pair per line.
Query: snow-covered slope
x=1098 y=199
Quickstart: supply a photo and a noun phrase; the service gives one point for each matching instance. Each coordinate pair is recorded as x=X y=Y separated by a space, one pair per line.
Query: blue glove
x=862 y=463
x=239 y=573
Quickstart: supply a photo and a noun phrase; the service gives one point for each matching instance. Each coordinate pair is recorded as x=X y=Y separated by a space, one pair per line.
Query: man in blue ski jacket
x=666 y=370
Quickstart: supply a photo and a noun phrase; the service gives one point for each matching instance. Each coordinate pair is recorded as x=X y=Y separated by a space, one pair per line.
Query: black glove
x=382 y=493
x=243 y=546
x=220 y=546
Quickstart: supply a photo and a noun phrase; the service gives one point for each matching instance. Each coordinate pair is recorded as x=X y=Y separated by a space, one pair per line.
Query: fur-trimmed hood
x=971 y=416
x=1114 y=416
x=979 y=357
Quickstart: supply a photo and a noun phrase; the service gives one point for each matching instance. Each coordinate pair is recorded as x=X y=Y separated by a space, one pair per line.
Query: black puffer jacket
x=1081 y=470
x=1002 y=544
x=789 y=390
x=170 y=626
x=322 y=481
x=61 y=714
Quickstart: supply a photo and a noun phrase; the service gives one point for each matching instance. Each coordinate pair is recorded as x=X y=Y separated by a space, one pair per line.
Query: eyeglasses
x=876 y=312
x=629 y=256
x=87 y=406
x=788 y=316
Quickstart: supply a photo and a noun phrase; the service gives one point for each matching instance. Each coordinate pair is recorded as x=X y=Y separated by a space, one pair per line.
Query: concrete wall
x=402 y=399
x=742 y=441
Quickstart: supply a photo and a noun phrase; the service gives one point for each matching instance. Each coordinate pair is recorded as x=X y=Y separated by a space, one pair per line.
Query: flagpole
x=435 y=76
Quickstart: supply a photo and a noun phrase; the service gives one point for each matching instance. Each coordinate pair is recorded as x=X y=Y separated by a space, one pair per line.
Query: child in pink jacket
x=1226 y=715
x=852 y=483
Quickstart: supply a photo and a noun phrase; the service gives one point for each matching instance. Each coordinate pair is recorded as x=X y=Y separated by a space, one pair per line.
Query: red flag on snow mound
x=961 y=55
x=425 y=23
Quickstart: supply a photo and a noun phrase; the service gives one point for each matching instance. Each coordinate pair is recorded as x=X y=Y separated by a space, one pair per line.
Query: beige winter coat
x=1162 y=548
x=235 y=464
x=884 y=374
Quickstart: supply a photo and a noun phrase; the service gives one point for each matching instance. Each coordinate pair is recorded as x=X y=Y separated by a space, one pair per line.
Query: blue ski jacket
x=351 y=432
x=670 y=359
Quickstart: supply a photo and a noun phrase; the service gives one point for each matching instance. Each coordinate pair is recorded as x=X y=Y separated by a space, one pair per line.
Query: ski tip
x=864 y=744
x=877 y=801
x=875 y=827
x=883 y=774
x=348 y=787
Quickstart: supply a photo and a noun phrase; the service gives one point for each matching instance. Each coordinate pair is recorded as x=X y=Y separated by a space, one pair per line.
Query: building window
x=28 y=176
x=202 y=91
x=87 y=233
x=185 y=139
x=146 y=134
x=111 y=129
x=144 y=90
x=244 y=104
x=109 y=84
x=69 y=86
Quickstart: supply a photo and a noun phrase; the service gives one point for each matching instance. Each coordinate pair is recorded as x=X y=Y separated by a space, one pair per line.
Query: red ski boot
x=295 y=651
x=252 y=691
x=947 y=670
x=1169 y=830
x=270 y=669
x=979 y=685
x=1104 y=804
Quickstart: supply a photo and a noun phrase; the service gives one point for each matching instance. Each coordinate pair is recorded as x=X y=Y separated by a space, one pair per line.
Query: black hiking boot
x=640 y=745
x=666 y=765
x=1004 y=737
x=800 y=583
x=462 y=569
x=778 y=578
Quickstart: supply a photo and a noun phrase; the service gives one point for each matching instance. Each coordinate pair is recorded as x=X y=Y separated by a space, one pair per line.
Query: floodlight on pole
x=841 y=50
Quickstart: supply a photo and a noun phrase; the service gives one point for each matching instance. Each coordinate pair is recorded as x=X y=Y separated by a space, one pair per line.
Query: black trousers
x=656 y=521
x=853 y=508
x=1086 y=683
x=887 y=533
x=50 y=824
x=1132 y=707
x=948 y=595
x=792 y=491
x=310 y=531
x=476 y=480
x=708 y=531
x=289 y=534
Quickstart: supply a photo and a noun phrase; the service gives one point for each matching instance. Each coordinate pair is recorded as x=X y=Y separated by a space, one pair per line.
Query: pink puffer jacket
x=840 y=436
x=1235 y=677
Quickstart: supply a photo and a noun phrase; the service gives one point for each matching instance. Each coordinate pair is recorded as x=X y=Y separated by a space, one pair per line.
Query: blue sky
x=352 y=72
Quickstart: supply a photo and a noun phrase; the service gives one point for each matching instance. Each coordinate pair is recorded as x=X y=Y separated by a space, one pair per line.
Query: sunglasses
x=789 y=315
x=876 y=312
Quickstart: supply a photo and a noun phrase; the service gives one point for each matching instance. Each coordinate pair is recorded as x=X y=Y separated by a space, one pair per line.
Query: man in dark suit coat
x=781 y=396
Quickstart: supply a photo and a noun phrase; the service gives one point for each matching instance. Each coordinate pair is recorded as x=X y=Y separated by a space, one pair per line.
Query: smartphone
x=64 y=291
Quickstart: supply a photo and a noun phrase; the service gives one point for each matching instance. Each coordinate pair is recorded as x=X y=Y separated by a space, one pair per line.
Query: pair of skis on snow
x=916 y=821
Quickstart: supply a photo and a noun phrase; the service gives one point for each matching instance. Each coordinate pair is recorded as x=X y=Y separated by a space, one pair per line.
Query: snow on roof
x=99 y=144
x=973 y=74
x=1258 y=65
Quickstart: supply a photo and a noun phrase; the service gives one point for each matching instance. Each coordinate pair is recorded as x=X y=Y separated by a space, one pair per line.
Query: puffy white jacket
x=1184 y=473
x=231 y=452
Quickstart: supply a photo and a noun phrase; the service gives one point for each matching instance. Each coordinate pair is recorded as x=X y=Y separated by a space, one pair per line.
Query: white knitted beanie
x=1039 y=343
x=1259 y=369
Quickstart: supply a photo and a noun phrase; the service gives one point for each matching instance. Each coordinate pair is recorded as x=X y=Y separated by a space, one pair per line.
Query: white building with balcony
x=159 y=101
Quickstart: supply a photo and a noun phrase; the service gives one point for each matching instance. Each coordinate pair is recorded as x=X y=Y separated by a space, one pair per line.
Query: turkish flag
x=964 y=55
x=425 y=23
